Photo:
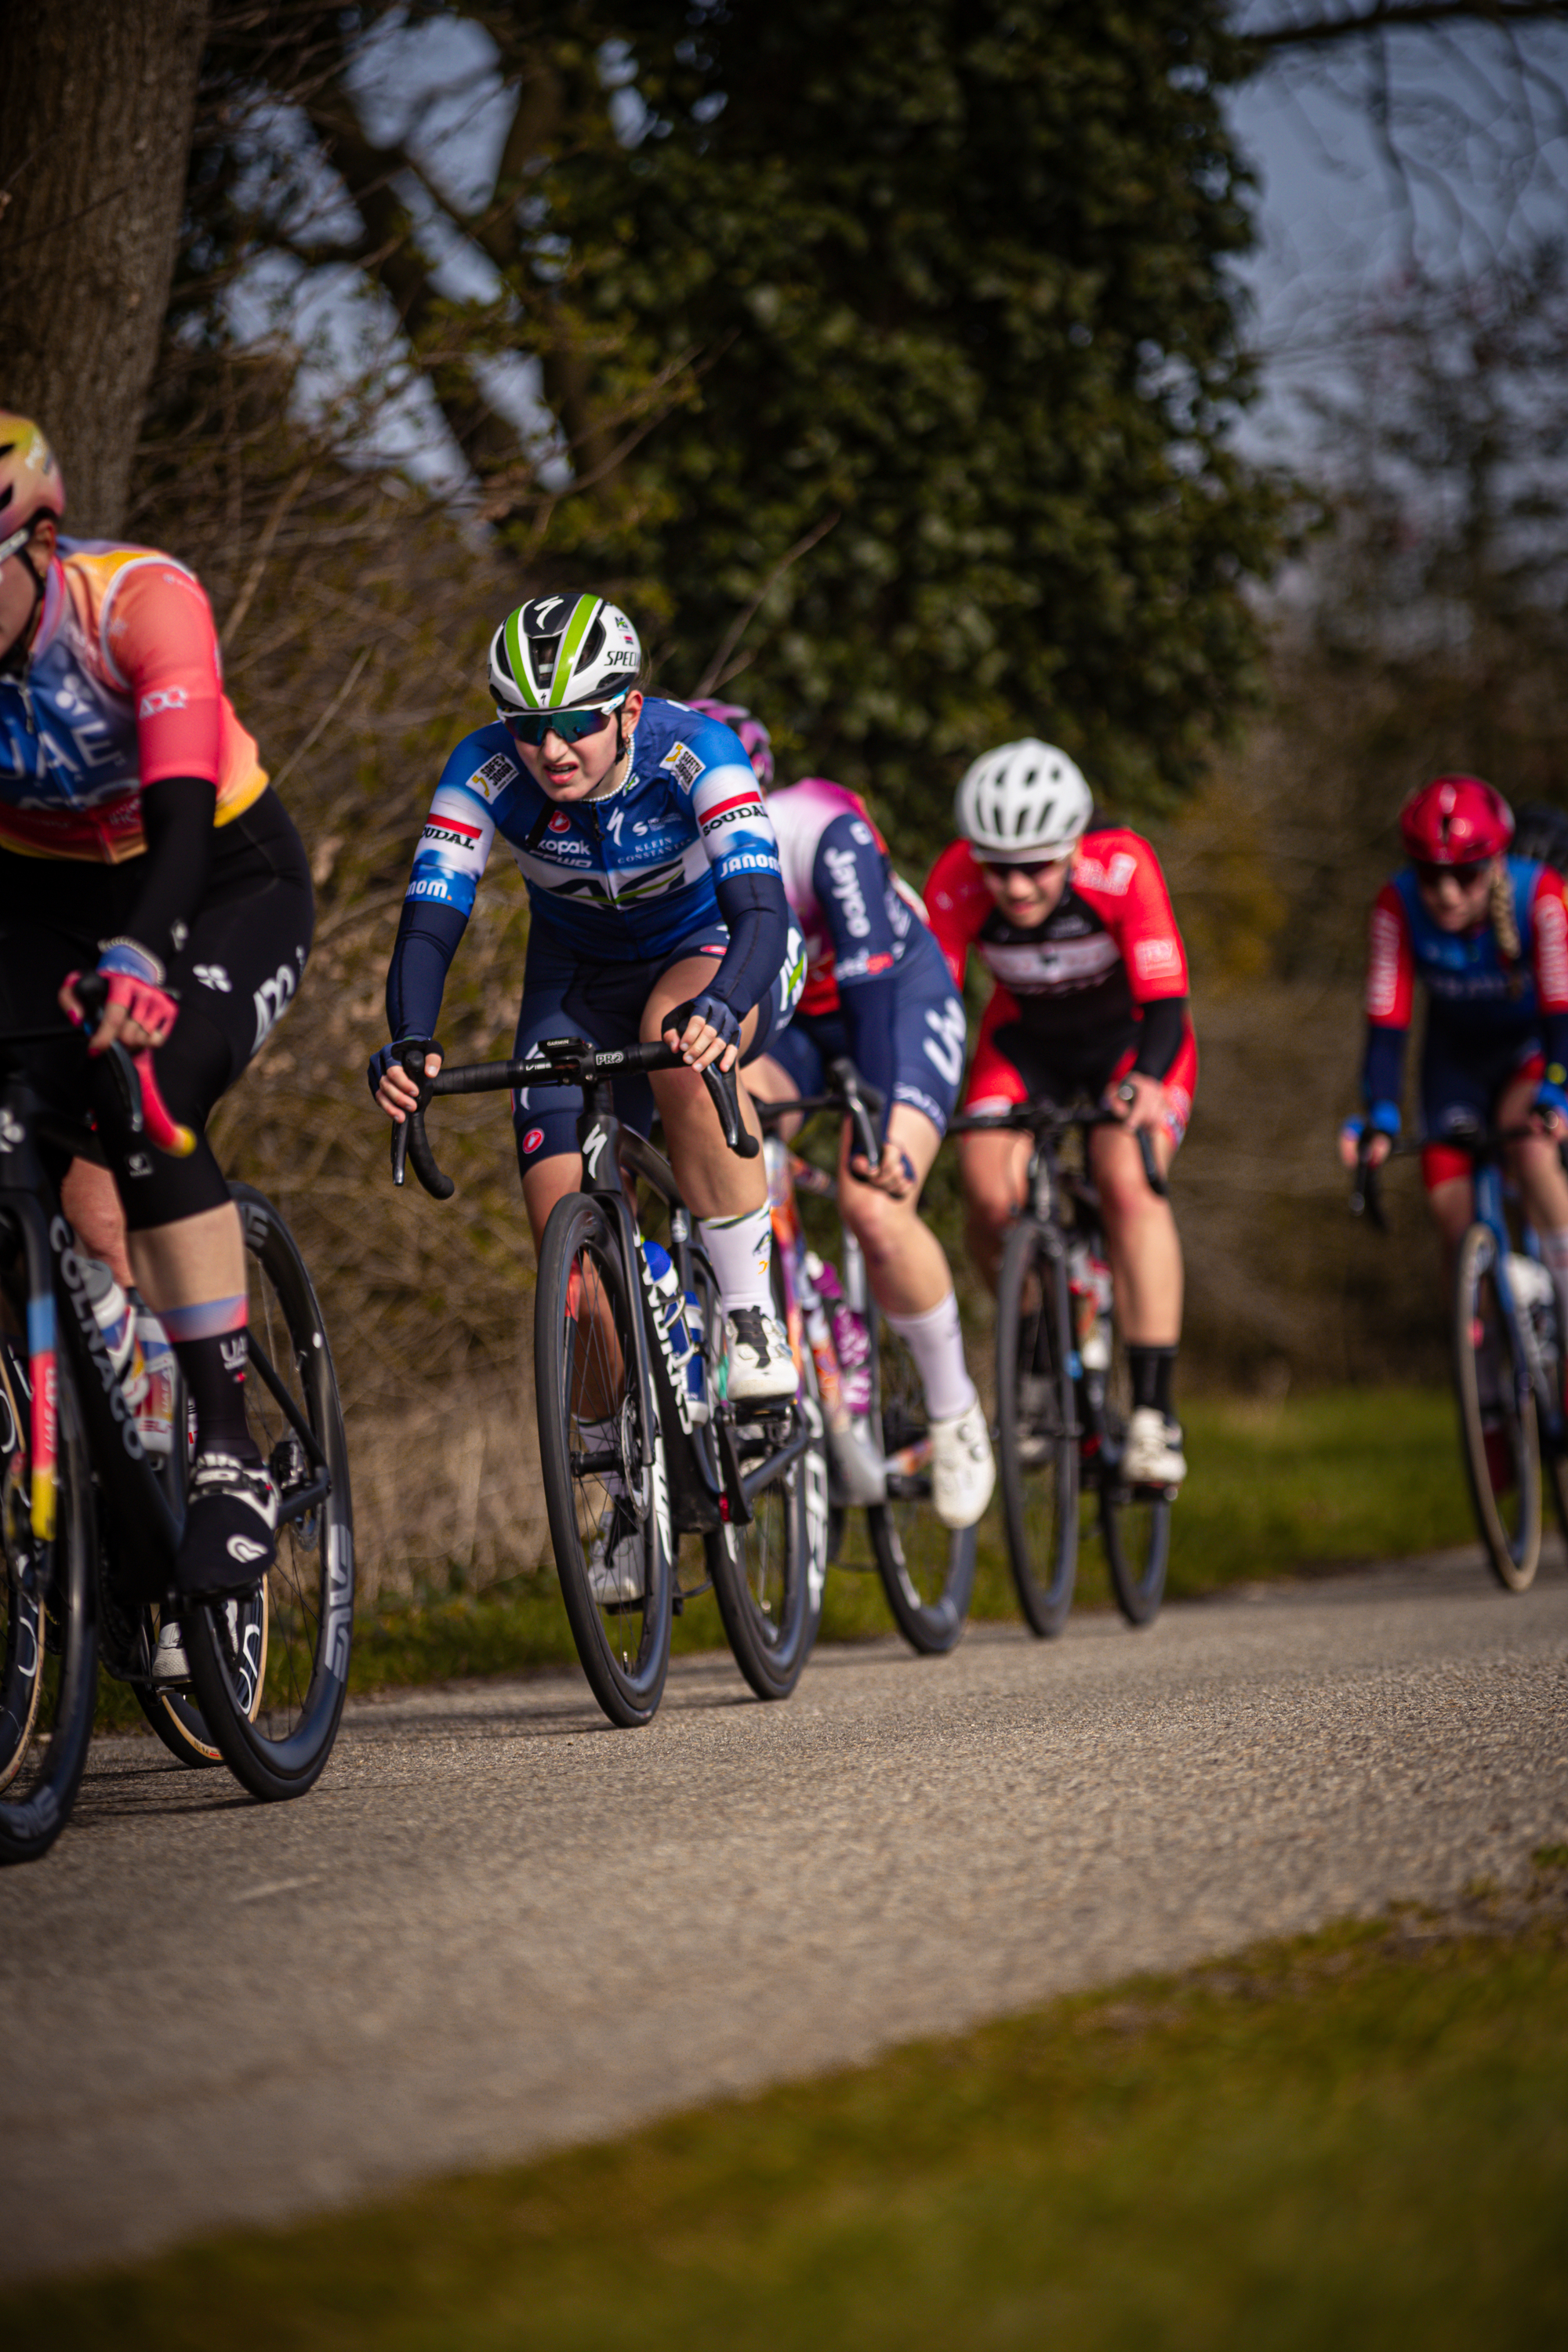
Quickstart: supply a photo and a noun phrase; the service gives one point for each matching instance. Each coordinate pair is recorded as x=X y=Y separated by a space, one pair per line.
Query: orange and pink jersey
x=123 y=687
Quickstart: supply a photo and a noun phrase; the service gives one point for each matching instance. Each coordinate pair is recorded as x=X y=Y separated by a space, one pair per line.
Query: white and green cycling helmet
x=563 y=652
x=1024 y=801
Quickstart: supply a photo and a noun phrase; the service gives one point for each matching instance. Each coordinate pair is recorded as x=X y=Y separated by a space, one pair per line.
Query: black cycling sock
x=214 y=1377
x=1152 y=1369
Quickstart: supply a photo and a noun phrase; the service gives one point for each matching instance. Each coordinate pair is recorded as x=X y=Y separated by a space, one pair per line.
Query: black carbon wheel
x=270 y=1683
x=1036 y=1441
x=610 y=1517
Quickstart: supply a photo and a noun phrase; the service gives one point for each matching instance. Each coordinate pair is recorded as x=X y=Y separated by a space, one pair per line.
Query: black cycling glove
x=382 y=1060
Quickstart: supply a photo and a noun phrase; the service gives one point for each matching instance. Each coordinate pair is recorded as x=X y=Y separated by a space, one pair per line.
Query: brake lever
x=409 y=1141
x=723 y=1088
x=1366 y=1192
x=847 y=1080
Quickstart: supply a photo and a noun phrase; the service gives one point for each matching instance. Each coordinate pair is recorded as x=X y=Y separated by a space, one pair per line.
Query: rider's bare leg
x=1535 y=1164
x=90 y=1202
x=713 y=1181
x=191 y=1261
x=1140 y=1237
x=905 y=1265
x=994 y=1170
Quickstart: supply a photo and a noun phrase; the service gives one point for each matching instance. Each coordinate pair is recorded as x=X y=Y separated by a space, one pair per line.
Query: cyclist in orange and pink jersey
x=139 y=836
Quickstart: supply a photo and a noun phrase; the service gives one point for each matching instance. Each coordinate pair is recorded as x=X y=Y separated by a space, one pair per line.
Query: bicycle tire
x=768 y=1577
x=580 y=1255
x=1134 y=1521
x=1513 y=1552
x=50 y=1687
x=927 y=1569
x=272 y=1703
x=1036 y=1443
x=173 y=1718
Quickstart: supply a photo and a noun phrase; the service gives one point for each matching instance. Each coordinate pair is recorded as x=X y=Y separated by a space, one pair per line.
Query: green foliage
x=956 y=279
x=1356 y=2137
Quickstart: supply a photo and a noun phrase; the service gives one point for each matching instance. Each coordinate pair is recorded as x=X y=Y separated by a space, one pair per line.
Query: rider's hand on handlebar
x=894 y=1174
x=711 y=1034
x=1377 y=1149
x=137 y=1015
x=1139 y=1101
x=395 y=1090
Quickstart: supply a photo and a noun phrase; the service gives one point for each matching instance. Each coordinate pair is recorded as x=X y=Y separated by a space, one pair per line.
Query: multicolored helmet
x=30 y=483
x=1455 y=821
x=563 y=652
x=1024 y=801
x=752 y=732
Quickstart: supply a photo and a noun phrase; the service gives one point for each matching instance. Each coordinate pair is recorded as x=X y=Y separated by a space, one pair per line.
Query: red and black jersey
x=1077 y=982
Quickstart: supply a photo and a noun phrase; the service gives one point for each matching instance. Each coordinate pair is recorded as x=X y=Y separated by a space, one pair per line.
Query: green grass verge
x=1356 y=2138
x=1344 y=1475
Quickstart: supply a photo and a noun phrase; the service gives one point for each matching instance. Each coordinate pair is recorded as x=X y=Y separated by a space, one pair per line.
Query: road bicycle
x=879 y=1453
x=91 y=1521
x=1063 y=1390
x=638 y=1443
x=1507 y=1357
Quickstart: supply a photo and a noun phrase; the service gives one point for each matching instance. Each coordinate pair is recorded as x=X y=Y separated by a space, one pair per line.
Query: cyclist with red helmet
x=139 y=835
x=1487 y=933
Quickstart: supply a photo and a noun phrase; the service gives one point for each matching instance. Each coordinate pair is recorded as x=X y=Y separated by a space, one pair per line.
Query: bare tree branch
x=1395 y=15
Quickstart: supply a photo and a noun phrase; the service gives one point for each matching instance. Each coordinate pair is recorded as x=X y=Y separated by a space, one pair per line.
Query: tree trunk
x=95 y=130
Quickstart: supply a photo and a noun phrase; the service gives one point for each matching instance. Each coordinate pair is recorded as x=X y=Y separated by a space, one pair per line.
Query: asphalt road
x=498 y=1926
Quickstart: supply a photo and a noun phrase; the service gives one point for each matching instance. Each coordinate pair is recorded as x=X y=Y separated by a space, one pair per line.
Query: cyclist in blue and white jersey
x=657 y=910
x=878 y=990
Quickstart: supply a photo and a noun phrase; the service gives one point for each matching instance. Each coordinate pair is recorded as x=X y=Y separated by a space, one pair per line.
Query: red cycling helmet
x=1455 y=821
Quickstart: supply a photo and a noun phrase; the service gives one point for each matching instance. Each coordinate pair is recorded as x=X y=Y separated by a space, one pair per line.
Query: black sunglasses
x=1429 y=875
x=571 y=726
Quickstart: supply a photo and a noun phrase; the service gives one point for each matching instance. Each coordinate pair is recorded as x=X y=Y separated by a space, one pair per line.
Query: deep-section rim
x=1044 y=1607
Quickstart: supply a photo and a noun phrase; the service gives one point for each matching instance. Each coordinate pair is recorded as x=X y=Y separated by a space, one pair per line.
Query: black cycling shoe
x=231 y=1529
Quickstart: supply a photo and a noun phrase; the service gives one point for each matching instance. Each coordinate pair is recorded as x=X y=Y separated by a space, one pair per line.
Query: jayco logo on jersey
x=846 y=890
x=272 y=1000
x=162 y=698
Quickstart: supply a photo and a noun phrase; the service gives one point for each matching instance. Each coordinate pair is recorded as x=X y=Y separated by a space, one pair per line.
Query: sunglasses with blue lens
x=571 y=726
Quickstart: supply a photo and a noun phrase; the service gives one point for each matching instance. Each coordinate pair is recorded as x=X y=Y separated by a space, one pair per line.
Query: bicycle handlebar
x=559 y=1062
x=1042 y=1117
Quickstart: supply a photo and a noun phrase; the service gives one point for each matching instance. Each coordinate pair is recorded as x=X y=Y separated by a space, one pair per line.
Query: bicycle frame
x=707 y=1488
x=147 y=1511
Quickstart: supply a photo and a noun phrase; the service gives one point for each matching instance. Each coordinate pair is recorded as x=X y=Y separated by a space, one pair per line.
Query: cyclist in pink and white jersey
x=877 y=990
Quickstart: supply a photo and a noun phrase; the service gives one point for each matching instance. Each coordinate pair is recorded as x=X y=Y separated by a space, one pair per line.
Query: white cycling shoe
x=962 y=1467
x=170 y=1666
x=615 y=1556
x=1153 y=1456
x=761 y=1365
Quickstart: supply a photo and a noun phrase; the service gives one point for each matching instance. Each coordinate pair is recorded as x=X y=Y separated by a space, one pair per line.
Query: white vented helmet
x=1023 y=800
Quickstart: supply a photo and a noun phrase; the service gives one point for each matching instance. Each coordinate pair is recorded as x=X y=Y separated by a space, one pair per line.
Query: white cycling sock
x=936 y=1343
x=1554 y=1256
x=742 y=1249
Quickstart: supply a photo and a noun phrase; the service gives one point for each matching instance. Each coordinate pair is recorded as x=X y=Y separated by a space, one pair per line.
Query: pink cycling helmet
x=30 y=483
x=1455 y=821
x=752 y=732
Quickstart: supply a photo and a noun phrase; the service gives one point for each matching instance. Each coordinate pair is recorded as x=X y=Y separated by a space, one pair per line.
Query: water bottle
x=116 y=1319
x=851 y=1342
x=155 y=1415
x=1089 y=1286
x=680 y=1321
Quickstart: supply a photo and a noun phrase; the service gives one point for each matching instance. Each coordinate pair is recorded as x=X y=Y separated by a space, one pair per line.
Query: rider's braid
x=1505 y=928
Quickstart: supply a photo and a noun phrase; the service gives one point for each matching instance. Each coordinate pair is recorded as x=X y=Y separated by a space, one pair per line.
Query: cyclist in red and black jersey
x=1072 y=918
